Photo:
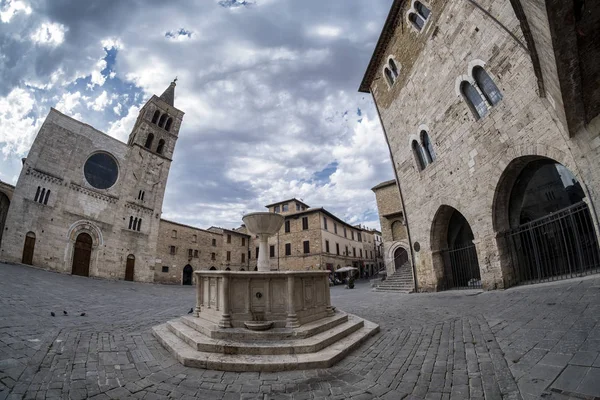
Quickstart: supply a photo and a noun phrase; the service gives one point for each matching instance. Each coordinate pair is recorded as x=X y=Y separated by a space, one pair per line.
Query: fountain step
x=239 y=334
x=323 y=358
x=200 y=342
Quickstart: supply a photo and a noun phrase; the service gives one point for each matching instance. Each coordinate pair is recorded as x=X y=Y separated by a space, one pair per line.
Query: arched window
x=130 y=222
x=37 y=194
x=487 y=86
x=389 y=76
x=416 y=20
x=423 y=11
x=149 y=141
x=47 y=196
x=139 y=226
x=418 y=155
x=418 y=14
x=163 y=119
x=168 y=124
x=41 y=199
x=160 y=147
x=393 y=68
x=155 y=116
x=427 y=147
x=473 y=99
x=135 y=222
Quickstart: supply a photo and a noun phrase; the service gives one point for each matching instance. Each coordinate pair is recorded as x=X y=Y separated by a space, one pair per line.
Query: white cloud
x=120 y=129
x=117 y=109
x=51 y=34
x=18 y=126
x=100 y=103
x=97 y=77
x=68 y=102
x=326 y=31
x=13 y=7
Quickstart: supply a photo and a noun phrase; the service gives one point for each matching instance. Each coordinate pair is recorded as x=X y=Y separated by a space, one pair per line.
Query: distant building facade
x=314 y=238
x=88 y=204
x=491 y=113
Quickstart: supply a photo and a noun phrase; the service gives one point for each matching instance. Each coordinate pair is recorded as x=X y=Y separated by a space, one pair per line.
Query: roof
x=168 y=95
x=222 y=230
x=384 y=38
x=287 y=201
x=188 y=226
x=384 y=184
x=324 y=211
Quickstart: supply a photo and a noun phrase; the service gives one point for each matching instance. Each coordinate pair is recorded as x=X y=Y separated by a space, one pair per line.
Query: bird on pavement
x=191 y=310
x=64 y=312
x=82 y=314
x=52 y=313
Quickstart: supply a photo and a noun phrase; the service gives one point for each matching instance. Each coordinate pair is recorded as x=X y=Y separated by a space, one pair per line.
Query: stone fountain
x=263 y=320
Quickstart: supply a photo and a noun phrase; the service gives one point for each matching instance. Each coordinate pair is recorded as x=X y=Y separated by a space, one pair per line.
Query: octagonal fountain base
x=306 y=332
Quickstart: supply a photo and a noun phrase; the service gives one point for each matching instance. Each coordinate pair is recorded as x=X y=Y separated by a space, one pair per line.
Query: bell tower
x=157 y=126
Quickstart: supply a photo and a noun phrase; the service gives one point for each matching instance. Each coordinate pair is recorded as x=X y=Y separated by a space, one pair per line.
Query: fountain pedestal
x=265 y=320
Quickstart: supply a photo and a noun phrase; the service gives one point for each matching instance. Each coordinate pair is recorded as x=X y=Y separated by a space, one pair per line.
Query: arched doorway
x=455 y=255
x=82 y=255
x=188 y=271
x=28 y=248
x=4 y=205
x=129 y=267
x=400 y=258
x=545 y=227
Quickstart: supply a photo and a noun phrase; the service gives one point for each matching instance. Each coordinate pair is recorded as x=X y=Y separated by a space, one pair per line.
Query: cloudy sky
x=269 y=88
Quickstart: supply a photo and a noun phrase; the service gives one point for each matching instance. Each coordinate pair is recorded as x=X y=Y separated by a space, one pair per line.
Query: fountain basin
x=287 y=298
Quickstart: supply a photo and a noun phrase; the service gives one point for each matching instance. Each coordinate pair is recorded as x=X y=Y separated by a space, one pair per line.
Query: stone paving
x=531 y=342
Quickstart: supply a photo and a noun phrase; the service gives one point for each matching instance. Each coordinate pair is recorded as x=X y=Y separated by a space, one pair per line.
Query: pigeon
x=82 y=314
x=191 y=310
x=52 y=313
x=64 y=312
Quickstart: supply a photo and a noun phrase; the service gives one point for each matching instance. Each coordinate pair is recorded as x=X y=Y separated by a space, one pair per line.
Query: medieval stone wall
x=472 y=155
x=171 y=262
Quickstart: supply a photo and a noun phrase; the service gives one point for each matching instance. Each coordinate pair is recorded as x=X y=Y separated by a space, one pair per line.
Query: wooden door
x=82 y=255
x=188 y=271
x=28 y=248
x=129 y=268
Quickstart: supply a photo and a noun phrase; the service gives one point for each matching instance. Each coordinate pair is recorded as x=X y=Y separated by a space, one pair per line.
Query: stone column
x=292 y=318
x=199 y=293
x=225 y=321
x=330 y=310
x=263 y=263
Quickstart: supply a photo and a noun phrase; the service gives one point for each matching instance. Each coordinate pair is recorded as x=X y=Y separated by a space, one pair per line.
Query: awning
x=346 y=269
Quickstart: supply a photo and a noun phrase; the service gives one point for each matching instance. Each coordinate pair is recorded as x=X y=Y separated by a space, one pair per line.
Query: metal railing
x=559 y=246
x=463 y=271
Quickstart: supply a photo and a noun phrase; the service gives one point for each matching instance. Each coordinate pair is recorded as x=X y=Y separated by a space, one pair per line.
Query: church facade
x=88 y=204
x=491 y=111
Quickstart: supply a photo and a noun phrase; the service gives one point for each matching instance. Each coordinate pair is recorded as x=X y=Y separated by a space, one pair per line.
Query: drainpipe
x=410 y=248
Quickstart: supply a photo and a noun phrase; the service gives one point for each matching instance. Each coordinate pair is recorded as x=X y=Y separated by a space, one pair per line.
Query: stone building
x=88 y=204
x=314 y=238
x=490 y=111
x=393 y=228
x=6 y=194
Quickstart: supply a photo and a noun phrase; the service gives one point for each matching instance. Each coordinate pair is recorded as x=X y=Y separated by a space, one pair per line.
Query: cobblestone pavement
x=531 y=342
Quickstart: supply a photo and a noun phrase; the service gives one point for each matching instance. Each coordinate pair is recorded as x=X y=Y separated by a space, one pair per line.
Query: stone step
x=239 y=334
x=394 y=290
x=324 y=358
x=315 y=343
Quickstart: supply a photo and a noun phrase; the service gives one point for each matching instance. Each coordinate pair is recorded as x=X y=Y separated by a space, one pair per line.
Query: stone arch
x=523 y=258
x=4 y=206
x=444 y=240
x=83 y=226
